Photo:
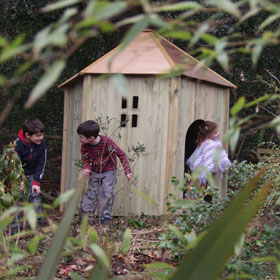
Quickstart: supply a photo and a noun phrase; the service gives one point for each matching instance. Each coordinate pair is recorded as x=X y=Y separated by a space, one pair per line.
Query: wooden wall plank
x=64 y=144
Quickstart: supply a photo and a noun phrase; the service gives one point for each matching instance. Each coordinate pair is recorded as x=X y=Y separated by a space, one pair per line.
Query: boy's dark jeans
x=31 y=198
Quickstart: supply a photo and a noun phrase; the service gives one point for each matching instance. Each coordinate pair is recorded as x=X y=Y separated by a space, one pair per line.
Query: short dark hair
x=88 y=129
x=32 y=126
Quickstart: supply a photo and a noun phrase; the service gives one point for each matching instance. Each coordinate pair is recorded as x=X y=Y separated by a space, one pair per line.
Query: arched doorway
x=190 y=143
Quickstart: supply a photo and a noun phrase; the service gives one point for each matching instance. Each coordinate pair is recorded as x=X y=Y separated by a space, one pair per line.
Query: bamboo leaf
x=145 y=196
x=251 y=13
x=159 y=265
x=127 y=237
x=276 y=123
x=110 y=9
x=59 y=5
x=256 y=52
x=83 y=231
x=48 y=269
x=183 y=203
x=178 y=233
x=199 y=33
x=186 y=5
x=209 y=256
x=31 y=216
x=100 y=254
x=93 y=235
x=46 y=82
x=134 y=31
x=268 y=21
x=182 y=35
x=33 y=244
x=238 y=106
x=120 y=83
x=64 y=197
x=234 y=138
x=227 y=6
x=99 y=272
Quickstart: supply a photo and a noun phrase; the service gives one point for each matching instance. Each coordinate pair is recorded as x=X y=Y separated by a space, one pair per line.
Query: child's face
x=84 y=140
x=35 y=138
x=215 y=135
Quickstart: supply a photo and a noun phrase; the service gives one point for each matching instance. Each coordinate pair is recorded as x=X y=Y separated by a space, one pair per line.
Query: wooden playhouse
x=158 y=113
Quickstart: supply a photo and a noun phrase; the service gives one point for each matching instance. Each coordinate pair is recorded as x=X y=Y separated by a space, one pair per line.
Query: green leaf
x=238 y=106
x=33 y=243
x=210 y=39
x=93 y=235
x=49 y=267
x=257 y=50
x=145 y=196
x=182 y=35
x=183 y=203
x=31 y=216
x=110 y=9
x=276 y=123
x=159 y=22
x=75 y=276
x=11 y=52
x=256 y=101
x=159 y=265
x=99 y=272
x=268 y=21
x=127 y=237
x=199 y=33
x=134 y=31
x=251 y=13
x=223 y=59
x=100 y=254
x=227 y=6
x=131 y=20
x=59 y=5
x=186 y=5
x=49 y=36
x=178 y=233
x=3 y=41
x=46 y=82
x=120 y=83
x=239 y=245
x=209 y=256
x=83 y=231
x=64 y=197
x=277 y=270
x=234 y=138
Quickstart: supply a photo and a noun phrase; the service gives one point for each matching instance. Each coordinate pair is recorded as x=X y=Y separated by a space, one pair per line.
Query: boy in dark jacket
x=31 y=149
x=99 y=155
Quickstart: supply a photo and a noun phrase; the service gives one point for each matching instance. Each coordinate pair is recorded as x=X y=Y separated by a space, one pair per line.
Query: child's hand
x=36 y=188
x=129 y=175
x=86 y=172
x=21 y=185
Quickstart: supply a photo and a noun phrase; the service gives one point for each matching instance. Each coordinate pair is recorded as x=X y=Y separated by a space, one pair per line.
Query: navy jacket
x=33 y=157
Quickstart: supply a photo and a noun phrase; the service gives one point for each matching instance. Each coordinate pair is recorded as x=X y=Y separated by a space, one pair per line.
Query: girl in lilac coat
x=209 y=154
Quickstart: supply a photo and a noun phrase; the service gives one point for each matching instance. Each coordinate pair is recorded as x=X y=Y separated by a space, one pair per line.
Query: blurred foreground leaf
x=210 y=255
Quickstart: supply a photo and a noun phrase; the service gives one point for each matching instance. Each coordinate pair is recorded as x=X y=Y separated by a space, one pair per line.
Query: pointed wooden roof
x=149 y=53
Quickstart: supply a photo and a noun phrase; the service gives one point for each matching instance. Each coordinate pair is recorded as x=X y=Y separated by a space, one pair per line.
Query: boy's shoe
x=105 y=221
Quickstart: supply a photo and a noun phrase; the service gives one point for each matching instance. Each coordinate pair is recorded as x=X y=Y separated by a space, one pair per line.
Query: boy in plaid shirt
x=99 y=155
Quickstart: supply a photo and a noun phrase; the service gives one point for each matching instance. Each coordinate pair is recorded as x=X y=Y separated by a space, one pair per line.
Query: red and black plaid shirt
x=102 y=157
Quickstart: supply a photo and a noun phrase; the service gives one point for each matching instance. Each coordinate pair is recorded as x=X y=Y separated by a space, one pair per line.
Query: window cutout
x=134 y=120
x=124 y=102
x=123 y=120
x=135 y=102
